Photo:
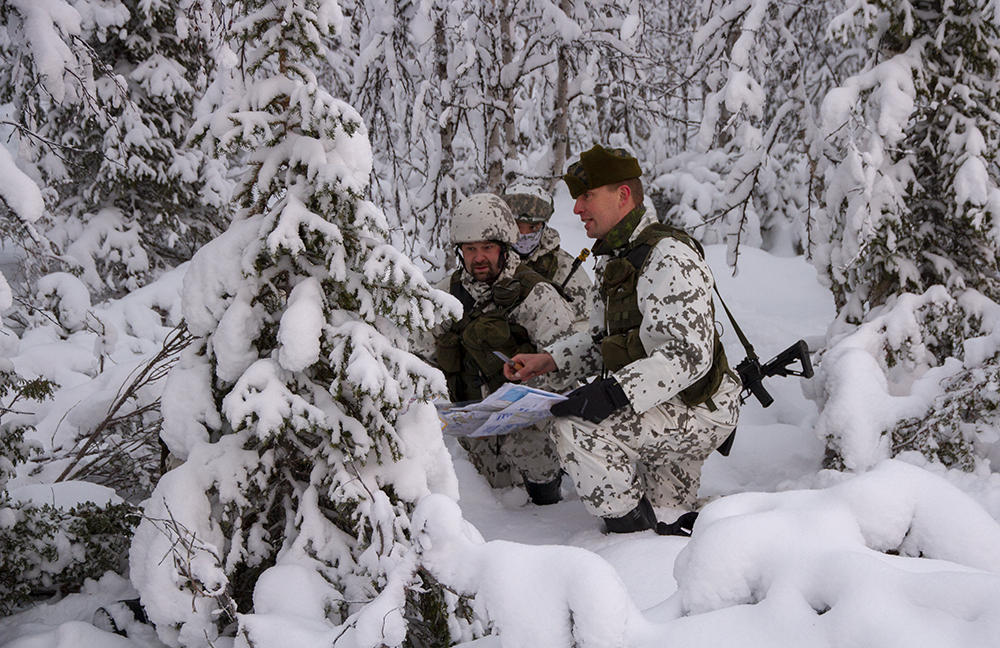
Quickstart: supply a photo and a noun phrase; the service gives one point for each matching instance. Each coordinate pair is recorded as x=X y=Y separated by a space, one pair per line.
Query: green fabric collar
x=620 y=234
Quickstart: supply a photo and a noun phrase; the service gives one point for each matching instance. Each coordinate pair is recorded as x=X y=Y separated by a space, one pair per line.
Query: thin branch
x=149 y=373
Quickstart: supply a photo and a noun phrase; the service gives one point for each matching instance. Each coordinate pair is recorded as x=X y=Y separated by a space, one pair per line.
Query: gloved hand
x=593 y=402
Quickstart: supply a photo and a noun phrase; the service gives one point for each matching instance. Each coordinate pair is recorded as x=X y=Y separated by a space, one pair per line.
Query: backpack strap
x=459 y=291
x=658 y=231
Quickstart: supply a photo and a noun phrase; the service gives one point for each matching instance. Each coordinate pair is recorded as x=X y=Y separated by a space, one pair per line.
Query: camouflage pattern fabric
x=579 y=290
x=658 y=453
x=507 y=459
x=657 y=445
x=483 y=217
x=529 y=208
x=531 y=451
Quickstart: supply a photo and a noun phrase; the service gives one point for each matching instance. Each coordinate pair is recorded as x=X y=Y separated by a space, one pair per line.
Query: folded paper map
x=509 y=408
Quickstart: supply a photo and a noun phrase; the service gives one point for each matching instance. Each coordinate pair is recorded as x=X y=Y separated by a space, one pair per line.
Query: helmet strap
x=504 y=254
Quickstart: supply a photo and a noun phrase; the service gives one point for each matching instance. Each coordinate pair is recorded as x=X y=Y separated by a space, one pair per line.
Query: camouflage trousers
x=506 y=460
x=658 y=453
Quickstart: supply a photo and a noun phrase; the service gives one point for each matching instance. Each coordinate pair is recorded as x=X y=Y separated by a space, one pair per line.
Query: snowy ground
x=783 y=555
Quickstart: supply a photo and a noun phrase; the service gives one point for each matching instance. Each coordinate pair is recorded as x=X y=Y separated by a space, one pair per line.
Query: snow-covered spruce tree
x=765 y=66
x=912 y=206
x=303 y=423
x=103 y=99
x=913 y=199
x=43 y=62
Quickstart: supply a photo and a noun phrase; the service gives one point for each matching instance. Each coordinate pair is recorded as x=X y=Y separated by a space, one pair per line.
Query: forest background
x=296 y=163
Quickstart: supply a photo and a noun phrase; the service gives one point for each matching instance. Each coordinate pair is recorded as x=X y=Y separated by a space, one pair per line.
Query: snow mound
x=535 y=596
x=841 y=549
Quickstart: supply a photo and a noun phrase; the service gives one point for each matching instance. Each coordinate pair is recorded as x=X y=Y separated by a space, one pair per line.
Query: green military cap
x=529 y=208
x=598 y=167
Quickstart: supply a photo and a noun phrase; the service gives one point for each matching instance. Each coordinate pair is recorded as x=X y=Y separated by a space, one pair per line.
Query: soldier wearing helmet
x=510 y=308
x=538 y=247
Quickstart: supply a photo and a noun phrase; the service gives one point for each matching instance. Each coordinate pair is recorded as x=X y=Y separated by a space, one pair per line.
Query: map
x=509 y=408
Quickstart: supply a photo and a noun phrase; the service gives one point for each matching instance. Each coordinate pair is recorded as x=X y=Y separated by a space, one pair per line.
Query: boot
x=543 y=494
x=640 y=518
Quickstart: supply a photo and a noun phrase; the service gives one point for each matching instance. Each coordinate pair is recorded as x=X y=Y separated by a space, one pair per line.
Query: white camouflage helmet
x=529 y=204
x=483 y=217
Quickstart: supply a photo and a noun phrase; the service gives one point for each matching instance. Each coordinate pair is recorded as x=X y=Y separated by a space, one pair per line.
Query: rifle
x=752 y=372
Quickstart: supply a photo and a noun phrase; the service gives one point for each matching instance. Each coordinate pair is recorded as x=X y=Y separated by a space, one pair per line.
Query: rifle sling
x=739 y=333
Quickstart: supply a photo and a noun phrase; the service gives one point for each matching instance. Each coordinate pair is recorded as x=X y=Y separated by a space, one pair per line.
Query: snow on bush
x=533 y=596
x=877 y=383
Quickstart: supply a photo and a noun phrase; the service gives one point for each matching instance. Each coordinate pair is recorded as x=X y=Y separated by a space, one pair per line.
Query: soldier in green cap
x=538 y=246
x=637 y=436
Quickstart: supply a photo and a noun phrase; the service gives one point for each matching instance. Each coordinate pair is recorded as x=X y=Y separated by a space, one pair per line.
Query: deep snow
x=784 y=554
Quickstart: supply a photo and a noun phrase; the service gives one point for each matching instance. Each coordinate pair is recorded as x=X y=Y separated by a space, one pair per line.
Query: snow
x=6 y=296
x=18 y=191
x=44 y=22
x=301 y=326
x=69 y=296
x=784 y=554
x=65 y=494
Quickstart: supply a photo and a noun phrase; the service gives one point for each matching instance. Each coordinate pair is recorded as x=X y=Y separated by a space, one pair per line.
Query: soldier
x=510 y=308
x=538 y=247
x=638 y=436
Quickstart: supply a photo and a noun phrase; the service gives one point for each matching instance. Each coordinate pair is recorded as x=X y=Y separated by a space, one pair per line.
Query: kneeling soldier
x=509 y=308
x=638 y=436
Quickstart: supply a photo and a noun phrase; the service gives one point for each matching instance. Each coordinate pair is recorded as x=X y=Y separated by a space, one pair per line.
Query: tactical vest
x=545 y=265
x=465 y=351
x=621 y=345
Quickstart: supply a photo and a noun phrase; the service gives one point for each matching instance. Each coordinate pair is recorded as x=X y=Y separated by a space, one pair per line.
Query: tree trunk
x=499 y=119
x=560 y=125
x=444 y=191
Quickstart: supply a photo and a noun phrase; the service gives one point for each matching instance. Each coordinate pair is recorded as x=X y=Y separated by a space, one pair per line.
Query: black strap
x=739 y=333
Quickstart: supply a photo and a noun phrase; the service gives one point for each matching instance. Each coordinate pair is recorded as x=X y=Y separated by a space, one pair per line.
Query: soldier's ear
x=624 y=193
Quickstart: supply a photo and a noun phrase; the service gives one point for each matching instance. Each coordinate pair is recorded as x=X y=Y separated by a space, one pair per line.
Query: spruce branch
x=184 y=545
x=144 y=375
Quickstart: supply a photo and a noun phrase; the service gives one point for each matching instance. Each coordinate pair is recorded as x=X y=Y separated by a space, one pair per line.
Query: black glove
x=594 y=402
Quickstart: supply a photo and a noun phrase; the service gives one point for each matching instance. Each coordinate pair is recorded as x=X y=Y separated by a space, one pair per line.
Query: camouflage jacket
x=678 y=329
x=579 y=289
x=544 y=314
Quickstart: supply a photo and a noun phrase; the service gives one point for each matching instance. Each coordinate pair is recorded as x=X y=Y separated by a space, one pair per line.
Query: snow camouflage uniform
x=655 y=445
x=542 y=315
x=550 y=260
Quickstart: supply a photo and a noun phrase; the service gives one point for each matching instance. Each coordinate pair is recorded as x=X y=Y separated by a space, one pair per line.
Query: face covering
x=528 y=243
